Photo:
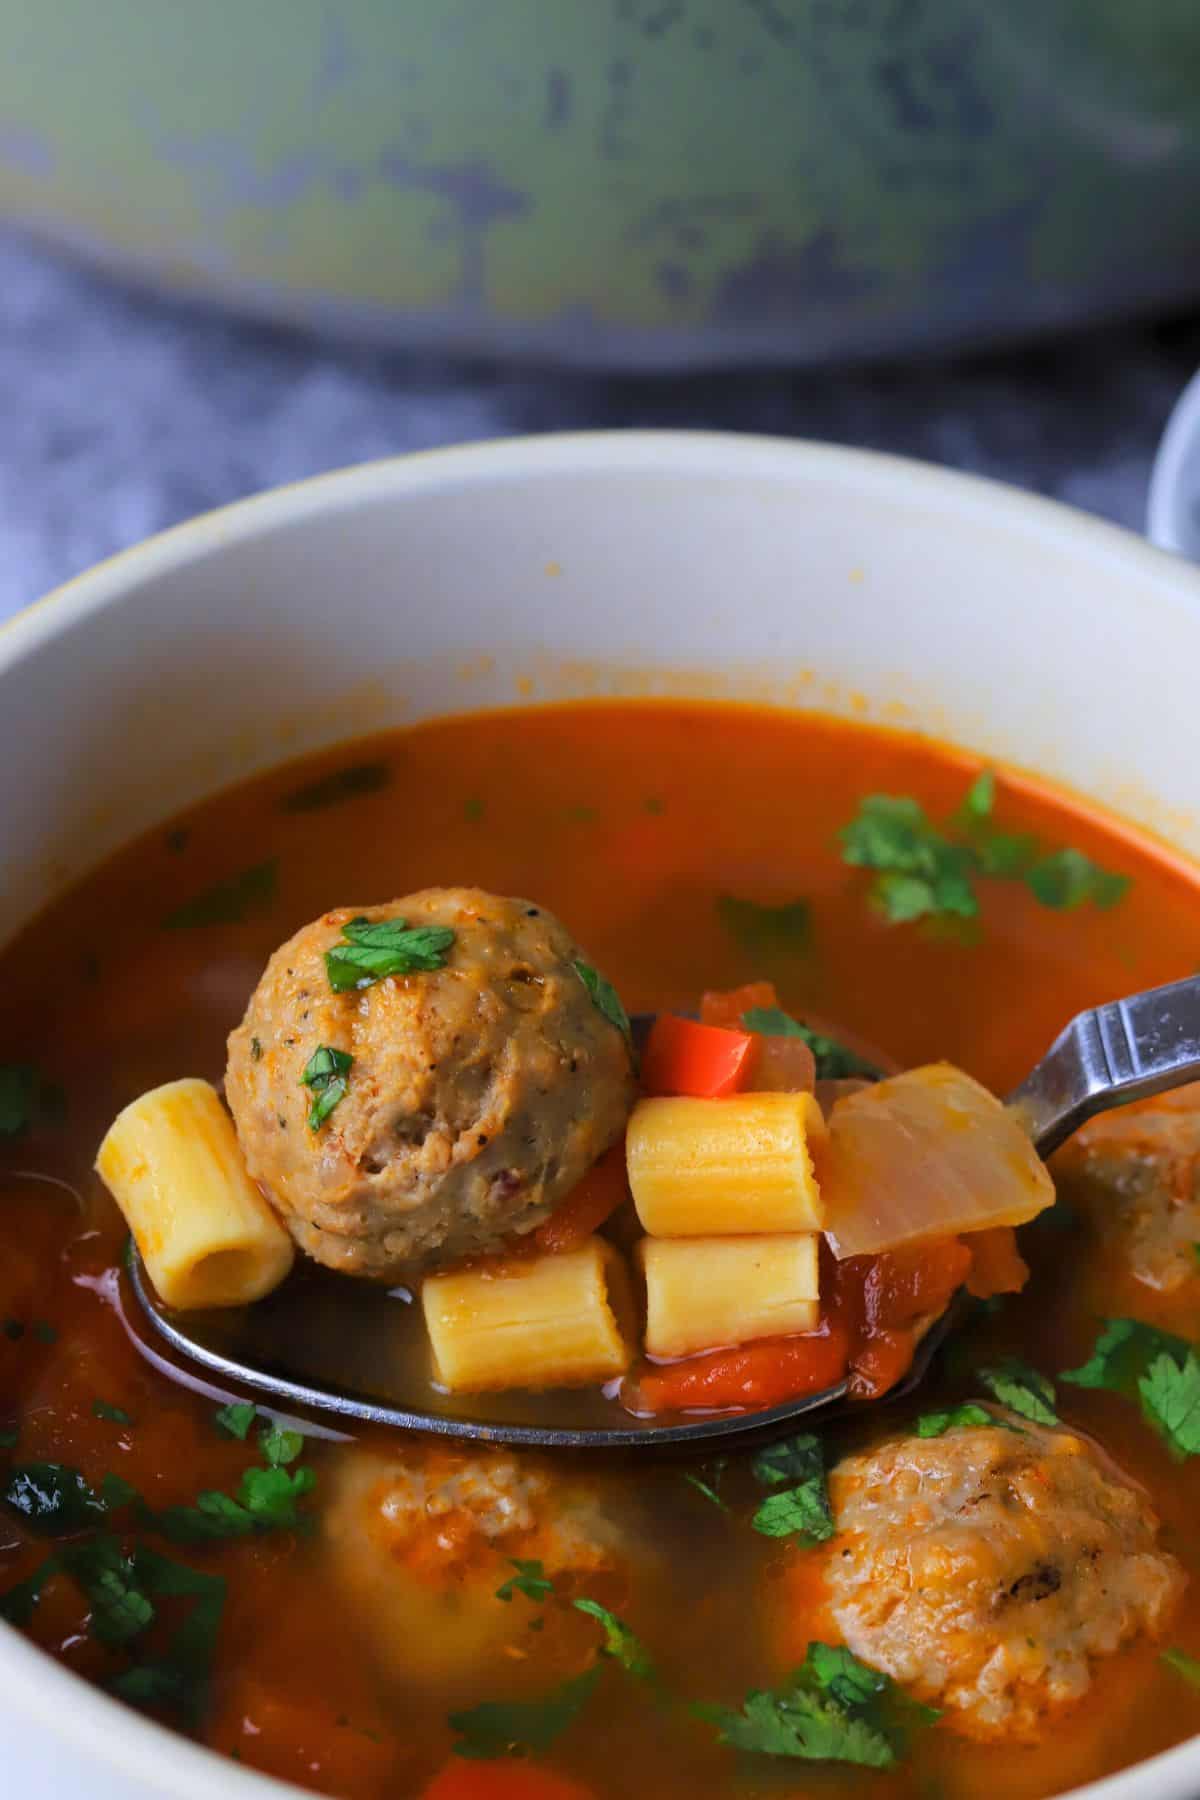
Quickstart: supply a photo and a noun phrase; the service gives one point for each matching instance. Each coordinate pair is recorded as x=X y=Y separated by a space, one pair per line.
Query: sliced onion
x=926 y=1154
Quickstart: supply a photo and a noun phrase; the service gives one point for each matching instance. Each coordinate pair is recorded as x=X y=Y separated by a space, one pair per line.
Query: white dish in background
x=1173 y=502
x=546 y=568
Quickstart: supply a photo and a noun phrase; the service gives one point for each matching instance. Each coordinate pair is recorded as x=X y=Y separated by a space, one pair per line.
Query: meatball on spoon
x=339 y=1346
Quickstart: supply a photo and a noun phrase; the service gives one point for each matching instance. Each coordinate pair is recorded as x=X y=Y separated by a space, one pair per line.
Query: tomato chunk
x=997 y=1266
x=603 y=1189
x=704 y=1061
x=728 y=1007
x=756 y=1375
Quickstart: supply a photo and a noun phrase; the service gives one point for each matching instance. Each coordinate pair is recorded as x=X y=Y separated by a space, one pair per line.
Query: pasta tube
x=722 y=1168
x=710 y=1293
x=172 y=1163
x=537 y=1322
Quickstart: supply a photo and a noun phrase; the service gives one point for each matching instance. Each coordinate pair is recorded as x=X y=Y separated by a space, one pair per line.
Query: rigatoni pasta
x=721 y=1168
x=706 y=1293
x=172 y=1162
x=546 y=1321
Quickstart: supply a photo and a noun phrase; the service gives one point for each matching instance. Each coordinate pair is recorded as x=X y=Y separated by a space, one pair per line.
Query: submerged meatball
x=479 y=1093
x=987 y=1568
x=1134 y=1175
x=423 y=1538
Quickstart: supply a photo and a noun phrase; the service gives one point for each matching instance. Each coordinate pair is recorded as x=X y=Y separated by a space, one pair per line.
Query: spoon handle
x=1124 y=1051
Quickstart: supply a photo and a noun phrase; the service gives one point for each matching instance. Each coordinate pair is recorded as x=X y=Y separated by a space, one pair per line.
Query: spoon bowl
x=325 y=1342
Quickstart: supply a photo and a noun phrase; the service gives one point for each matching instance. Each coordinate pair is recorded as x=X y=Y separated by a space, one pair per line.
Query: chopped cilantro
x=13 y=1330
x=620 y=1641
x=52 y=1498
x=120 y=1607
x=763 y=930
x=715 y=1470
x=1183 y=1664
x=116 y=1492
x=18 y=1088
x=832 y=1709
x=237 y=1418
x=605 y=998
x=800 y=1510
x=1122 y=1354
x=178 y=1679
x=229 y=901
x=1022 y=1389
x=325 y=1075
x=1067 y=878
x=116 y=1415
x=834 y=1062
x=530 y=1580
x=343 y=784
x=265 y=1501
x=473 y=810
x=17 y=1602
x=654 y=805
x=8 y=1437
x=373 y=949
x=280 y=1447
x=955 y=1418
x=509 y=1727
x=925 y=871
x=44 y=1332
x=255 y=1049
x=1170 y=1393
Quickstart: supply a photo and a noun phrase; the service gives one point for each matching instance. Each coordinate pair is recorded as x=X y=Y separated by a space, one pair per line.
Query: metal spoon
x=340 y=1346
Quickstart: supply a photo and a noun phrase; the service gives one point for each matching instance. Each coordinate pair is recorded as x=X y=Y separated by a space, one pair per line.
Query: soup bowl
x=528 y=571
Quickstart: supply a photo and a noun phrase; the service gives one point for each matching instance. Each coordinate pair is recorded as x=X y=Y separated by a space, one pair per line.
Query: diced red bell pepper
x=704 y=1061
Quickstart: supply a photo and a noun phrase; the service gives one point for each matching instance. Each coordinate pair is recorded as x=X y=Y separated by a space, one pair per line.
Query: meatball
x=1134 y=1176
x=987 y=1568
x=478 y=1095
x=423 y=1538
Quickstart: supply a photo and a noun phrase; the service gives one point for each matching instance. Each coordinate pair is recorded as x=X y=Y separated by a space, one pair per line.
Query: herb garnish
x=18 y=1083
x=1183 y=1664
x=179 y=1678
x=325 y=1075
x=266 y=1501
x=373 y=949
x=530 y=1580
x=924 y=871
x=116 y=1415
x=229 y=901
x=834 y=1062
x=715 y=1470
x=955 y=1418
x=509 y=1727
x=1160 y=1371
x=343 y=784
x=801 y=1509
x=1022 y=1389
x=605 y=998
x=763 y=930
x=833 y=1709
x=621 y=1642
x=237 y=1418
x=52 y=1498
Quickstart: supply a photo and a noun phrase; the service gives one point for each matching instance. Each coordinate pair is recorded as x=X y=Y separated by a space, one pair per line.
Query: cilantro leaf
x=266 y=1501
x=508 y=1727
x=120 y=1607
x=373 y=949
x=980 y=797
x=17 y=1602
x=179 y=1679
x=342 y=784
x=1183 y=1664
x=237 y=1418
x=1022 y=1389
x=279 y=1446
x=920 y=872
x=621 y=1642
x=52 y=1498
x=325 y=1076
x=955 y=1418
x=605 y=998
x=116 y=1415
x=8 y=1437
x=229 y=902
x=765 y=930
x=834 y=1062
x=18 y=1088
x=116 y=1492
x=530 y=1579
x=831 y=1710
x=802 y=1509
x=270 y=1495
x=709 y=1488
x=1122 y=1354
x=1067 y=878
x=1170 y=1394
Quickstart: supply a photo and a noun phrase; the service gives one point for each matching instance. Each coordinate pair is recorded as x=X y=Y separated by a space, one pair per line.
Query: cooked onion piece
x=723 y=1168
x=534 y=1322
x=704 y=1293
x=173 y=1164
x=926 y=1154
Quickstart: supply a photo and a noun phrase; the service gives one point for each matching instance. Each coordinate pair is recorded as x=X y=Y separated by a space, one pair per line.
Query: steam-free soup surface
x=337 y=1650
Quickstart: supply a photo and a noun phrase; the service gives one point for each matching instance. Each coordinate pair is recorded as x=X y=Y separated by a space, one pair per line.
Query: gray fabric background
x=121 y=414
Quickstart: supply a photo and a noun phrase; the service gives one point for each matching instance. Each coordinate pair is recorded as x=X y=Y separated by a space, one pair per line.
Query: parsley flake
x=1022 y=1389
x=801 y=1509
x=237 y=1418
x=1122 y=1355
x=1170 y=1394
x=370 y=950
x=530 y=1579
x=18 y=1088
x=716 y=1470
x=280 y=1447
x=229 y=902
x=179 y=1679
x=955 y=1418
x=116 y=1415
x=621 y=1642
x=1067 y=878
x=765 y=930
x=834 y=1062
x=325 y=1075
x=331 y=790
x=605 y=998
x=1182 y=1663
x=52 y=1498
x=510 y=1727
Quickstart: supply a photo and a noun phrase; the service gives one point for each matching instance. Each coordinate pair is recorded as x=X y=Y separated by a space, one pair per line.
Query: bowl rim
x=69 y=1708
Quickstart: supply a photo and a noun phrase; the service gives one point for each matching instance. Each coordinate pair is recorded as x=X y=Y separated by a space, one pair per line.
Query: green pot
x=638 y=183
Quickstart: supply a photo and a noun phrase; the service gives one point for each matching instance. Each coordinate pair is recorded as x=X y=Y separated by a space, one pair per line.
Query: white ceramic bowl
x=527 y=570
